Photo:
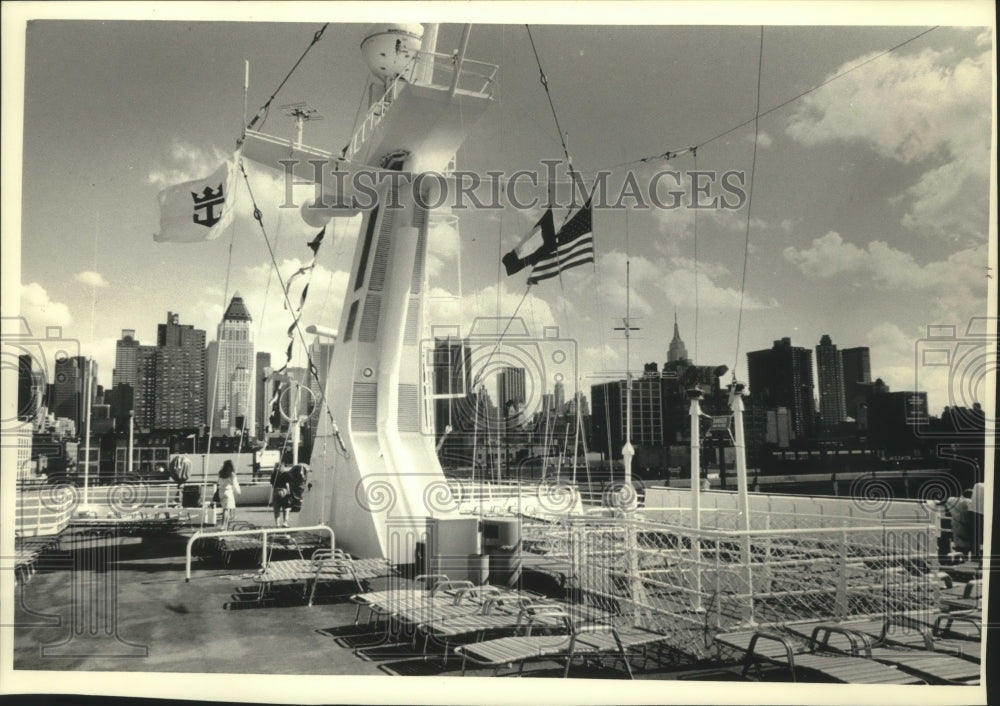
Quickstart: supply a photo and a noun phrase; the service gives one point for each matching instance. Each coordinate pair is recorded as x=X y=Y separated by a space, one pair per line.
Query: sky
x=868 y=217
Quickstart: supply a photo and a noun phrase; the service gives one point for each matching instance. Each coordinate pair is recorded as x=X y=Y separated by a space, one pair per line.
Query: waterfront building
x=830 y=376
x=180 y=375
x=783 y=377
x=70 y=386
x=232 y=348
x=856 y=366
x=511 y=387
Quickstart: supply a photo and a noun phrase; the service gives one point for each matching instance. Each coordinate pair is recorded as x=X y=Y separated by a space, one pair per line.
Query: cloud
x=91 y=279
x=680 y=284
x=831 y=255
x=189 y=163
x=892 y=355
x=39 y=310
x=929 y=107
x=443 y=246
x=763 y=139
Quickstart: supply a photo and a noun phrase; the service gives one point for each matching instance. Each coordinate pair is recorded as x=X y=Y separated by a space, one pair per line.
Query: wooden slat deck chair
x=933 y=667
x=903 y=631
x=520 y=649
x=966 y=625
x=333 y=566
x=803 y=661
x=422 y=585
x=620 y=638
x=495 y=616
x=964 y=598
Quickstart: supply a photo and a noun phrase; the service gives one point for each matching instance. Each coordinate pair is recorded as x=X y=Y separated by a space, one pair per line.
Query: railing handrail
x=263 y=531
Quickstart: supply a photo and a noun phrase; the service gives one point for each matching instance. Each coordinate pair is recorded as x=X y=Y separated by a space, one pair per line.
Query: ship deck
x=158 y=622
x=153 y=620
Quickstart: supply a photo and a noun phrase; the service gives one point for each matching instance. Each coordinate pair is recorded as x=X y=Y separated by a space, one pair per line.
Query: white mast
x=86 y=441
x=131 y=440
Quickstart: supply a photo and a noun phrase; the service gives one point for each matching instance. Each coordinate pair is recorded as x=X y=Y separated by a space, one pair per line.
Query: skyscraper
x=26 y=398
x=829 y=373
x=783 y=377
x=677 y=350
x=232 y=349
x=856 y=364
x=180 y=375
x=511 y=388
x=133 y=382
x=70 y=387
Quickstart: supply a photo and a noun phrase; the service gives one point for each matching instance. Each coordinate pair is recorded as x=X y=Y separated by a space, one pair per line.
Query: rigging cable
x=262 y=113
x=746 y=245
x=259 y=217
x=758 y=115
x=545 y=84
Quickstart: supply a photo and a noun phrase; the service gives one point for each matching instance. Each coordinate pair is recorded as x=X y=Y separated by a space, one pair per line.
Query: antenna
x=628 y=451
x=302 y=113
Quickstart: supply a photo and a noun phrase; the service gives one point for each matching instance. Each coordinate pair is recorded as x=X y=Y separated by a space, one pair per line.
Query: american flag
x=574 y=246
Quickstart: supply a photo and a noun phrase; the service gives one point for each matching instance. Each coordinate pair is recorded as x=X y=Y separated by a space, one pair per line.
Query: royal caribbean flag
x=574 y=245
x=539 y=242
x=199 y=210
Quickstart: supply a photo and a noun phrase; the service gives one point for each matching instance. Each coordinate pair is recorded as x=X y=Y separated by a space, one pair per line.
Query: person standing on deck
x=289 y=488
x=229 y=488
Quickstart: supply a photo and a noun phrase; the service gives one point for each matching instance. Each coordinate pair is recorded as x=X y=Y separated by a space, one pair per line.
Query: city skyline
x=871 y=226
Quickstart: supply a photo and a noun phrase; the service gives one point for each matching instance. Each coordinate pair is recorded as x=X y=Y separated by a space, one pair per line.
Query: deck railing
x=474 y=78
x=693 y=583
x=264 y=533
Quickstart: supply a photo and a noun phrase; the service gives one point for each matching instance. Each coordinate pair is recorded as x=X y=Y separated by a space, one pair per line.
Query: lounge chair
x=522 y=648
x=332 y=566
x=964 y=598
x=492 y=617
x=904 y=631
x=374 y=599
x=933 y=667
x=767 y=646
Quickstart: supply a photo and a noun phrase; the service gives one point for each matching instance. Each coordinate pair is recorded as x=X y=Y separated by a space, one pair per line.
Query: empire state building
x=677 y=350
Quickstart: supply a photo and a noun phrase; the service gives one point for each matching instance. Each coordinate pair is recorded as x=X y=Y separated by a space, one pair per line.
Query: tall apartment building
x=783 y=377
x=830 y=376
x=857 y=368
x=180 y=375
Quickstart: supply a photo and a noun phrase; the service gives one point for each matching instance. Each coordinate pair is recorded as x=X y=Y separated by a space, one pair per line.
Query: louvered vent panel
x=364 y=406
x=370 y=318
x=409 y=412
x=381 y=259
x=420 y=223
x=411 y=331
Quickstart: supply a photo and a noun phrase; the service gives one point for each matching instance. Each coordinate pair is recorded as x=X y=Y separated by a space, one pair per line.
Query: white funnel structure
x=380 y=478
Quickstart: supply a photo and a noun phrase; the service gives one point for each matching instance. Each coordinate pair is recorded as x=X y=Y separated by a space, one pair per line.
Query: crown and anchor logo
x=208 y=200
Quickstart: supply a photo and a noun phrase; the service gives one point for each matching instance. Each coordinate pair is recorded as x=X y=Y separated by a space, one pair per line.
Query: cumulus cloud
x=39 y=310
x=91 y=279
x=831 y=255
x=931 y=107
x=188 y=163
x=893 y=350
